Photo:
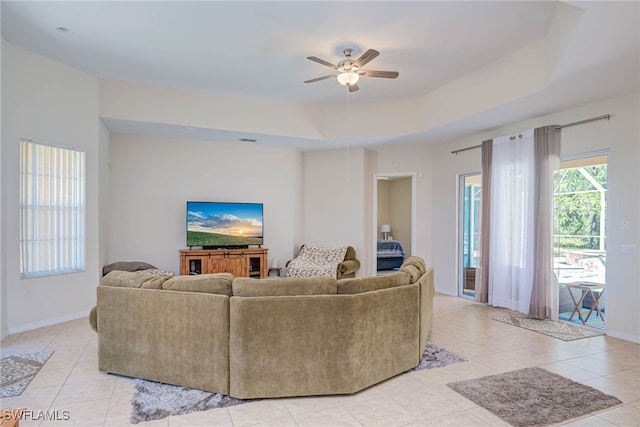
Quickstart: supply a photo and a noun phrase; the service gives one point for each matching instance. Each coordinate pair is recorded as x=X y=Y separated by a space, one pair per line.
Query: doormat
x=552 y=328
x=533 y=397
x=18 y=370
x=154 y=401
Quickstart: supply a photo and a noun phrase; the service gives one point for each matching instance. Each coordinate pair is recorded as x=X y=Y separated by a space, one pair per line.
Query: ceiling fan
x=349 y=69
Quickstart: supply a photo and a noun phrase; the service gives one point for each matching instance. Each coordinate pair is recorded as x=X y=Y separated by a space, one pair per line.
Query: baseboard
x=623 y=336
x=446 y=292
x=47 y=322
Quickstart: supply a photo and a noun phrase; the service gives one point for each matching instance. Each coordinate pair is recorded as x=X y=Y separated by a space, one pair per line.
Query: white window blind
x=52 y=209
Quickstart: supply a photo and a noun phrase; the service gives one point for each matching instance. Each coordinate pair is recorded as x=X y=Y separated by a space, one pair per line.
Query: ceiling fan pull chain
x=348 y=128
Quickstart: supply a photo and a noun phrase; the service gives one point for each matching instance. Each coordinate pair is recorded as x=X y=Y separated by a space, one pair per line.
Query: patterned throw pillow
x=316 y=261
x=321 y=255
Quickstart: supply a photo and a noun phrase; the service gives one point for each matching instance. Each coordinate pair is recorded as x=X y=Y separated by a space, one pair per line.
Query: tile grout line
x=106 y=415
x=70 y=370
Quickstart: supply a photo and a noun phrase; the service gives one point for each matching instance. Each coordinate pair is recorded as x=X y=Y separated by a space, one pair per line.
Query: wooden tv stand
x=251 y=262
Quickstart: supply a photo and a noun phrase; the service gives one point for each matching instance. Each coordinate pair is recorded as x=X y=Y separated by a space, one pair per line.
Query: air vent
x=248 y=140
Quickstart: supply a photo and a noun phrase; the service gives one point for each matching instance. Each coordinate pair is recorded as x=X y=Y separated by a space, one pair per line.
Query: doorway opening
x=394 y=220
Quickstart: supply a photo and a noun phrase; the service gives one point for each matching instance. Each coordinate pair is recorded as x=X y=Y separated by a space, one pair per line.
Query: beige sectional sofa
x=252 y=338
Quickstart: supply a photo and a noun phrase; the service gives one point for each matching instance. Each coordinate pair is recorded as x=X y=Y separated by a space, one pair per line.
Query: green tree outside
x=578 y=207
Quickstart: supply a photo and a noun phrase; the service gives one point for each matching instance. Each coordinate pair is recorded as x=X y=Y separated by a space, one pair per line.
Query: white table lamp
x=385 y=229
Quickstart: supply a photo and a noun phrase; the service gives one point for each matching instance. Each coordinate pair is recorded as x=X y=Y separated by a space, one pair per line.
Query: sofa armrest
x=93 y=318
x=348 y=268
x=427 y=291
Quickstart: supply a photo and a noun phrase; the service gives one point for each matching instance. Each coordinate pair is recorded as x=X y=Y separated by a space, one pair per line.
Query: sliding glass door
x=580 y=257
x=470 y=191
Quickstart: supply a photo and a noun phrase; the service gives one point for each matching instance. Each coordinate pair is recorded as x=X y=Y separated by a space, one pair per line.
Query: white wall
x=4 y=330
x=50 y=103
x=103 y=193
x=621 y=136
x=152 y=178
x=334 y=200
x=159 y=104
x=415 y=160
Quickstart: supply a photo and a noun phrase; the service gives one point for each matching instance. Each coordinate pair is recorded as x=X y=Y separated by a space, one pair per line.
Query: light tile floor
x=71 y=381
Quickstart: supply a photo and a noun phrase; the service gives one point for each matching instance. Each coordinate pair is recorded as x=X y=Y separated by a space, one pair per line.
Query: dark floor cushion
x=126 y=266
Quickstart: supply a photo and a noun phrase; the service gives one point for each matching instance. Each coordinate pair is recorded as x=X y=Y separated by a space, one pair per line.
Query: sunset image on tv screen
x=224 y=224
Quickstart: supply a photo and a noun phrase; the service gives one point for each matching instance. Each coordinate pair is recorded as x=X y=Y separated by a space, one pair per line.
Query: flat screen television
x=224 y=224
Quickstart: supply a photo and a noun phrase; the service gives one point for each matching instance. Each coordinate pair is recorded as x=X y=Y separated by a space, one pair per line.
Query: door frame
x=374 y=234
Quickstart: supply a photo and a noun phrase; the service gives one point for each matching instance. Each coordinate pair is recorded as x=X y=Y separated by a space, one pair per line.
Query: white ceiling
x=259 y=50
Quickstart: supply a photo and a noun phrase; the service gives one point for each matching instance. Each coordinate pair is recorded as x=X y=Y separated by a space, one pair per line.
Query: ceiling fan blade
x=322 y=61
x=320 y=78
x=366 y=57
x=354 y=87
x=384 y=74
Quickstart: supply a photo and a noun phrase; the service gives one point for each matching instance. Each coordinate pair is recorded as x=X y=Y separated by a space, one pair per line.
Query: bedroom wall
x=621 y=136
x=50 y=103
x=151 y=179
x=400 y=207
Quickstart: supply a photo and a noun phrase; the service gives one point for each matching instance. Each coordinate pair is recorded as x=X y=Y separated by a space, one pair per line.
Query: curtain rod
x=592 y=119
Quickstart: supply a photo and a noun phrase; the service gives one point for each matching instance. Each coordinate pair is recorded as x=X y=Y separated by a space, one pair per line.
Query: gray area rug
x=17 y=371
x=154 y=401
x=560 y=330
x=533 y=397
x=435 y=357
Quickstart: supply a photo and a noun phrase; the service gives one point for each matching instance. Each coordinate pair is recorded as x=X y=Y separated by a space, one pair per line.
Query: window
x=52 y=209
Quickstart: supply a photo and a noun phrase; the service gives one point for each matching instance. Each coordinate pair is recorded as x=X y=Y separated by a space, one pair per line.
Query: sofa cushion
x=366 y=284
x=155 y=272
x=217 y=283
x=128 y=279
x=245 y=287
x=126 y=266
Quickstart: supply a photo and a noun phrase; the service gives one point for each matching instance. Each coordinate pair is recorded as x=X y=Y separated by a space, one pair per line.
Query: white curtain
x=511 y=252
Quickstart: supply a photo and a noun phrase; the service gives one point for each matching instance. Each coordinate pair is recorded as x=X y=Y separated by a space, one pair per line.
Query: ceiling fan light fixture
x=348 y=78
x=348 y=71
